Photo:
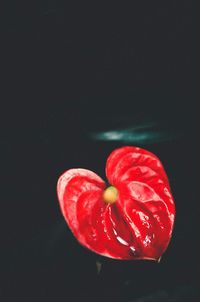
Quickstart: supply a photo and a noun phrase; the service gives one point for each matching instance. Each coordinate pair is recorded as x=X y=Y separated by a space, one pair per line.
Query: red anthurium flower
x=130 y=219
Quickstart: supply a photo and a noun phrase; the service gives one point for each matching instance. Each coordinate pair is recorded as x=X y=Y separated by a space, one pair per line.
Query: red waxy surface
x=139 y=224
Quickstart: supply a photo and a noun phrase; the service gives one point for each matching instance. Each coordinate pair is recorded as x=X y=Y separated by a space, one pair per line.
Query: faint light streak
x=126 y=135
x=139 y=134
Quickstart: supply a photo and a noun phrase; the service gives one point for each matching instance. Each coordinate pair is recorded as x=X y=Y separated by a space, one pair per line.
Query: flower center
x=110 y=194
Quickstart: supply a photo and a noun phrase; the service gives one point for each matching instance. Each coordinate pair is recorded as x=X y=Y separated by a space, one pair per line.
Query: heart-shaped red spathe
x=139 y=224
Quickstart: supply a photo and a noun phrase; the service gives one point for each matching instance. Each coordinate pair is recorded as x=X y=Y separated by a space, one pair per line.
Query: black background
x=72 y=74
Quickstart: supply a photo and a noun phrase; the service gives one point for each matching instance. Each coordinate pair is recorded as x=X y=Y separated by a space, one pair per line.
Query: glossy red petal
x=71 y=185
x=145 y=197
x=120 y=160
x=139 y=224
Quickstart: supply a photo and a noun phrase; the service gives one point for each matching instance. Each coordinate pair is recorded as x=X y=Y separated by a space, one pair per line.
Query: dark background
x=77 y=81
